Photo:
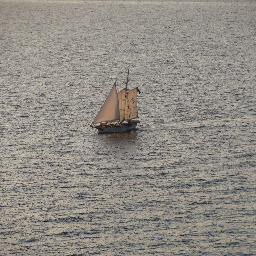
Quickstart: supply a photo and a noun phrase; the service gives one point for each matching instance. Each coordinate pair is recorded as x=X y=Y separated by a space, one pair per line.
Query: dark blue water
x=183 y=184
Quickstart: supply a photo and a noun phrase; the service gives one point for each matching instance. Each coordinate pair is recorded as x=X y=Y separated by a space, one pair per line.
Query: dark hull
x=117 y=129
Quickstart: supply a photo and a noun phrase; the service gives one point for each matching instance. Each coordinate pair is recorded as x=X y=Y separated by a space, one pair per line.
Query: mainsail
x=128 y=104
x=122 y=103
x=132 y=109
x=110 y=109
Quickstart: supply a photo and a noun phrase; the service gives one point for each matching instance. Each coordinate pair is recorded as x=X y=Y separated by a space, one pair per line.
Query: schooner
x=119 y=113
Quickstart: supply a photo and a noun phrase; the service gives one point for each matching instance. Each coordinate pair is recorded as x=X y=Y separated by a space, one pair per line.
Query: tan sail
x=122 y=103
x=128 y=104
x=132 y=111
x=110 y=109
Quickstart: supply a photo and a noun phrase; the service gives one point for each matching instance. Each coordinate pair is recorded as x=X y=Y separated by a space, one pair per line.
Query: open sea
x=183 y=184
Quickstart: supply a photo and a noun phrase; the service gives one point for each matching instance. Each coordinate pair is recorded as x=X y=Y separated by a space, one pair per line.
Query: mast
x=126 y=96
x=127 y=80
x=128 y=102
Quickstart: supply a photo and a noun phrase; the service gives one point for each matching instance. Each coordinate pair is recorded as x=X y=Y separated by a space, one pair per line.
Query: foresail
x=110 y=109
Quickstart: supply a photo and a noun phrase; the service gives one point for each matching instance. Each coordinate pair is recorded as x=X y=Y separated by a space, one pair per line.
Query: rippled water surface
x=183 y=184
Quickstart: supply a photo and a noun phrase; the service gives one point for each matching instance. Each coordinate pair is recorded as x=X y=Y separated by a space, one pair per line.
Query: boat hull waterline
x=117 y=129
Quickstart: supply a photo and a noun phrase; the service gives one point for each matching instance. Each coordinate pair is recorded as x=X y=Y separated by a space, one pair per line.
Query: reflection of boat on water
x=119 y=113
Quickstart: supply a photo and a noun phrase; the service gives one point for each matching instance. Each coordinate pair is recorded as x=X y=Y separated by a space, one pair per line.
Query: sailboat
x=119 y=113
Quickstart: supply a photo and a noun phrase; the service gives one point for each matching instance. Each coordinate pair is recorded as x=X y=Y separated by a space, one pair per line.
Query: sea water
x=183 y=184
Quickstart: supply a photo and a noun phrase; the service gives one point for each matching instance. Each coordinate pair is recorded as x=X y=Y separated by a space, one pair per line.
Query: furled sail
x=128 y=104
x=110 y=109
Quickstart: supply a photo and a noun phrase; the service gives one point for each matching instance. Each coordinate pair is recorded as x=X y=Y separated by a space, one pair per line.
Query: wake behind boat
x=119 y=113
